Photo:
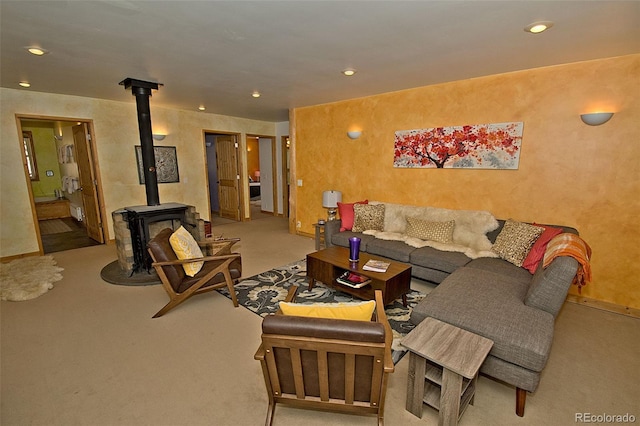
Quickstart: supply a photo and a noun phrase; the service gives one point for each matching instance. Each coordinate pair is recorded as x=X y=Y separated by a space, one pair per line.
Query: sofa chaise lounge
x=477 y=290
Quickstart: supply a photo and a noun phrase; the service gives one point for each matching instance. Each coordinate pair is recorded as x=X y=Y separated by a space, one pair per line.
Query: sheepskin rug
x=28 y=278
x=469 y=234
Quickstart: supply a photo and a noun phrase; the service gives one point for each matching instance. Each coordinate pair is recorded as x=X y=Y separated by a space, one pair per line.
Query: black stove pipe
x=142 y=91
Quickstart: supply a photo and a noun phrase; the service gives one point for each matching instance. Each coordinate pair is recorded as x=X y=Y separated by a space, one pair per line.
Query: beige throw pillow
x=515 y=241
x=368 y=217
x=441 y=232
x=186 y=247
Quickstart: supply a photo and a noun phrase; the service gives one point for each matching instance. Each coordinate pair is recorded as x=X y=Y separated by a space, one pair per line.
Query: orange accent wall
x=569 y=173
x=253 y=156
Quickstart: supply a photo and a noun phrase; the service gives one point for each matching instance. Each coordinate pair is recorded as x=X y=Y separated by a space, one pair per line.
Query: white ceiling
x=216 y=53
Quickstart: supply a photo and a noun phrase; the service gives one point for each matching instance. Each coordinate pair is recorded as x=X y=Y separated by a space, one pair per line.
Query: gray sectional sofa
x=485 y=295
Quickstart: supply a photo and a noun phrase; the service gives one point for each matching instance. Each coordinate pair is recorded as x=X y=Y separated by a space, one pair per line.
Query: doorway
x=262 y=173
x=250 y=189
x=63 y=186
x=223 y=163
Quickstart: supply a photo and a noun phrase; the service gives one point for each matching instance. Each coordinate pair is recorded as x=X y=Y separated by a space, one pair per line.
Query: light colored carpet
x=53 y=226
x=28 y=278
x=89 y=353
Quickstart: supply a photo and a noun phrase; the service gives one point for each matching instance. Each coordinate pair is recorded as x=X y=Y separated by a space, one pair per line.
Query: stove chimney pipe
x=142 y=91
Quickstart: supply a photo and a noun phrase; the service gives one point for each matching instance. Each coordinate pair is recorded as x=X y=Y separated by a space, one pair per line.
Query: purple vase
x=354 y=249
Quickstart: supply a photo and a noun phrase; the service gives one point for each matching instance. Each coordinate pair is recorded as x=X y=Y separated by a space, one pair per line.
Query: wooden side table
x=320 y=242
x=443 y=368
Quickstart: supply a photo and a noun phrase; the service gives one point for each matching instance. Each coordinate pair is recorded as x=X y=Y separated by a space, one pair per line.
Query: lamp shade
x=330 y=199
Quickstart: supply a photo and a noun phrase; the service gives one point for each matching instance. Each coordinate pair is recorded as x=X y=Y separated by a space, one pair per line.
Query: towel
x=70 y=184
x=567 y=244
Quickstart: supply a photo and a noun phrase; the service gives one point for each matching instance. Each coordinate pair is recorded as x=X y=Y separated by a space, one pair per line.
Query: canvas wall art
x=479 y=146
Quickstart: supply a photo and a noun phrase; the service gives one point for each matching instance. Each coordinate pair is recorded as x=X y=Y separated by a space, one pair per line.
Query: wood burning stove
x=140 y=218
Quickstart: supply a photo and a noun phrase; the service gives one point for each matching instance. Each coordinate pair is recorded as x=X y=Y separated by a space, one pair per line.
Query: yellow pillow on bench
x=359 y=311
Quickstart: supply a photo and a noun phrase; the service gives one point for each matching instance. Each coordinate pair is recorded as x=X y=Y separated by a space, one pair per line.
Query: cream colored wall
x=570 y=173
x=116 y=133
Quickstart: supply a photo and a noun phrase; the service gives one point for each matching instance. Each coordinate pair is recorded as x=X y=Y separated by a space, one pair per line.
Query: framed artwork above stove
x=166 y=164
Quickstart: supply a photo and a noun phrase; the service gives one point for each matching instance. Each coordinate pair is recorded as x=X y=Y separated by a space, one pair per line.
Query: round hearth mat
x=113 y=273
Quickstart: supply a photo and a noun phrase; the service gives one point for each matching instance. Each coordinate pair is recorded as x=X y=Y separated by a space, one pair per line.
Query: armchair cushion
x=163 y=252
x=324 y=328
x=186 y=247
x=235 y=270
x=360 y=311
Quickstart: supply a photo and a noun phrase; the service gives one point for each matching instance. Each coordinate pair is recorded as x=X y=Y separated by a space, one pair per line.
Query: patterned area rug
x=261 y=294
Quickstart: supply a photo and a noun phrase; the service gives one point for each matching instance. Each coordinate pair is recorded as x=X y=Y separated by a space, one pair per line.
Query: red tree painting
x=486 y=146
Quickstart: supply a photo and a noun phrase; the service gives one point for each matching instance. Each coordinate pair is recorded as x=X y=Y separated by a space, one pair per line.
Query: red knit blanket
x=567 y=244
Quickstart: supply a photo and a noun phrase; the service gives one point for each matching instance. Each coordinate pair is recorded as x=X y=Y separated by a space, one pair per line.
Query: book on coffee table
x=376 y=265
x=353 y=280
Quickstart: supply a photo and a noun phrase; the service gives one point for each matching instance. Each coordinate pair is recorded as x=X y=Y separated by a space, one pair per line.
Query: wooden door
x=228 y=177
x=87 y=184
x=285 y=175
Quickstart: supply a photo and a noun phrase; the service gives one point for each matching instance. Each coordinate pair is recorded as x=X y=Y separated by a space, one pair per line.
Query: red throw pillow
x=537 y=250
x=346 y=214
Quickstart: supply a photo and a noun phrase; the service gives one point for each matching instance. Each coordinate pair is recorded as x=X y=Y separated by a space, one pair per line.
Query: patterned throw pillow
x=515 y=240
x=441 y=232
x=186 y=247
x=368 y=217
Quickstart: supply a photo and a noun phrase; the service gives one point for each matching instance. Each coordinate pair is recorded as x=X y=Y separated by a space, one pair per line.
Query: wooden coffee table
x=328 y=264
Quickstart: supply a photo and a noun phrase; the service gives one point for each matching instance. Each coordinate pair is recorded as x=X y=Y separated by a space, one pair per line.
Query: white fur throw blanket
x=469 y=234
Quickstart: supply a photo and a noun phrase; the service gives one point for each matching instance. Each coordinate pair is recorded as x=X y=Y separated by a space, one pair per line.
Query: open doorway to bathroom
x=60 y=166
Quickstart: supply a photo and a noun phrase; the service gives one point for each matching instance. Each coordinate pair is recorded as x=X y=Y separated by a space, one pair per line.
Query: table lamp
x=330 y=200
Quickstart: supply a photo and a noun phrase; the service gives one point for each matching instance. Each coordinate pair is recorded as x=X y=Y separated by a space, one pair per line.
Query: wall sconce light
x=159 y=137
x=354 y=134
x=596 y=118
x=330 y=200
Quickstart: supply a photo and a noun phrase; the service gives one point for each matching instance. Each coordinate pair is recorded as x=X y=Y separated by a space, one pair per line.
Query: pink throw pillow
x=537 y=250
x=346 y=214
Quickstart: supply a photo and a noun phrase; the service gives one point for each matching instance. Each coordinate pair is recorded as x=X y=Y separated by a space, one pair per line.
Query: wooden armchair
x=221 y=268
x=326 y=364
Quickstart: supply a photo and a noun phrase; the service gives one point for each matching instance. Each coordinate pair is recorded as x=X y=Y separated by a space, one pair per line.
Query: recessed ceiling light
x=256 y=94
x=538 y=27
x=201 y=108
x=349 y=72
x=38 y=51
x=24 y=84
